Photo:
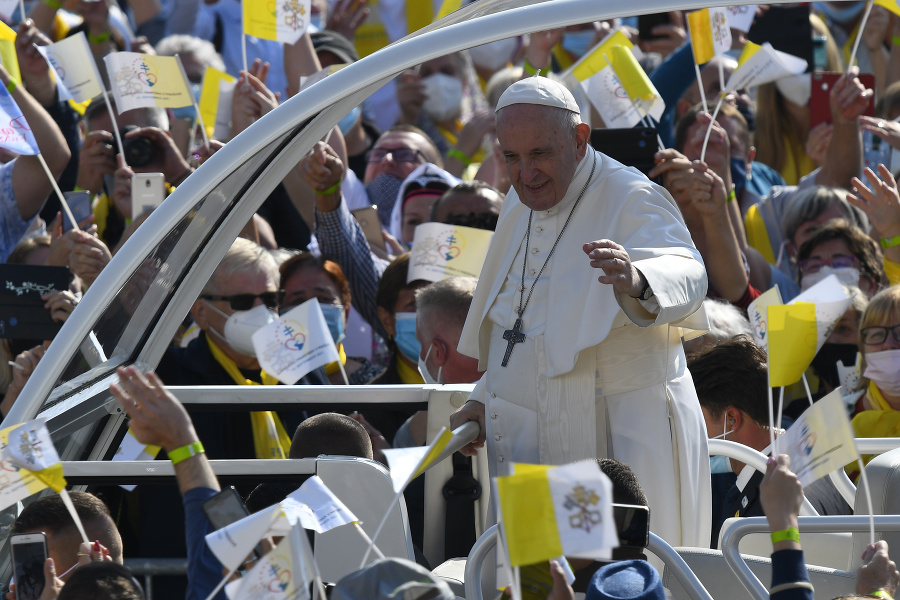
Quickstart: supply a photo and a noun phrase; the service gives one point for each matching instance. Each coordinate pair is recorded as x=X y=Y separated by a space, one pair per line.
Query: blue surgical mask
x=578 y=42
x=719 y=464
x=405 y=338
x=316 y=21
x=188 y=112
x=334 y=317
x=347 y=123
x=847 y=12
x=738 y=174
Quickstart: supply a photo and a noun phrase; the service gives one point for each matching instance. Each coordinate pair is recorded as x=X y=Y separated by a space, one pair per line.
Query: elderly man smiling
x=577 y=369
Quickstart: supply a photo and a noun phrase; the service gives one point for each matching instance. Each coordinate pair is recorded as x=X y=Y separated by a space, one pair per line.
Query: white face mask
x=445 y=94
x=241 y=325
x=425 y=373
x=884 y=369
x=496 y=55
x=846 y=275
x=796 y=88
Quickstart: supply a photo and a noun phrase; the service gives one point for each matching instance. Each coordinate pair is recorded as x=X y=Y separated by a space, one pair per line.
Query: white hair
x=244 y=255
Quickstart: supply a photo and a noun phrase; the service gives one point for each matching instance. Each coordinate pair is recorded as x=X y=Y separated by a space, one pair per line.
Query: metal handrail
x=683 y=573
x=839 y=523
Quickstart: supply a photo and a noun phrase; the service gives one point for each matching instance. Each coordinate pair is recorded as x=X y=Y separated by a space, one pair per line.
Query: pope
x=578 y=315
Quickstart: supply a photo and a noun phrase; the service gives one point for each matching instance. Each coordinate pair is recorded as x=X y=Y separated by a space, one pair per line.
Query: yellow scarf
x=797 y=162
x=270 y=440
x=408 y=375
x=331 y=368
x=881 y=421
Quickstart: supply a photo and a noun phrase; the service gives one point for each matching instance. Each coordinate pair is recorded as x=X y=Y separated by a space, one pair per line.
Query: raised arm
x=843 y=160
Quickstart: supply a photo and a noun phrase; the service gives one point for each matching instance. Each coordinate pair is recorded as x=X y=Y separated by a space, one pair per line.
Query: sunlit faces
x=396 y=140
x=304 y=284
x=239 y=282
x=804 y=232
x=540 y=156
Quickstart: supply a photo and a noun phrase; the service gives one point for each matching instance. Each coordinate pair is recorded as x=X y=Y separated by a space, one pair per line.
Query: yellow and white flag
x=820 y=440
x=131 y=449
x=29 y=447
x=831 y=301
x=891 y=5
x=8 y=51
x=283 y=21
x=636 y=83
x=15 y=483
x=215 y=102
x=762 y=64
x=327 y=510
x=710 y=33
x=759 y=317
x=579 y=498
x=792 y=341
x=285 y=573
x=141 y=80
x=295 y=344
x=440 y=251
x=406 y=464
x=73 y=63
x=740 y=17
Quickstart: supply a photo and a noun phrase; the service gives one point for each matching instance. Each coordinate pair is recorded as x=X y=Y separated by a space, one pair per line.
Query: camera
x=137 y=151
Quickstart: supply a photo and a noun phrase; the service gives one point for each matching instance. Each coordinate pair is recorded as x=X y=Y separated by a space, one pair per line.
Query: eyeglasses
x=808 y=266
x=246 y=301
x=877 y=334
x=400 y=155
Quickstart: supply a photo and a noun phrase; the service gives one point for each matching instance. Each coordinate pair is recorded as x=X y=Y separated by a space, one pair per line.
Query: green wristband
x=789 y=534
x=890 y=242
x=335 y=188
x=459 y=155
x=880 y=594
x=54 y=4
x=185 y=452
x=12 y=85
x=99 y=38
x=731 y=195
x=529 y=69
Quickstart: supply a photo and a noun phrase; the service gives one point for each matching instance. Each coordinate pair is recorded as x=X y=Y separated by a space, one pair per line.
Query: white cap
x=538 y=90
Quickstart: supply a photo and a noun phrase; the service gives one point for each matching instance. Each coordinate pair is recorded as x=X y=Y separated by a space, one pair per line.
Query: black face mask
x=825 y=361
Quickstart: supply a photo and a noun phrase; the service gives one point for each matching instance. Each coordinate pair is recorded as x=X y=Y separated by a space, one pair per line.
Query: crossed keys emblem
x=30 y=447
x=582 y=501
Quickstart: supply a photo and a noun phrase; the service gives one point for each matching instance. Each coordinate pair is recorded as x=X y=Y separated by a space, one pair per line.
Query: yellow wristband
x=185 y=452
x=12 y=85
x=731 y=195
x=459 y=155
x=335 y=188
x=789 y=534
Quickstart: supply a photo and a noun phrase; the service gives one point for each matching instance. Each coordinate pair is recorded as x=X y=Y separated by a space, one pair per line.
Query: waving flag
x=408 y=463
x=550 y=511
x=15 y=133
x=820 y=440
x=327 y=510
x=891 y=5
x=740 y=17
x=762 y=64
x=710 y=34
x=792 y=342
x=831 y=301
x=8 y=51
x=285 y=573
x=141 y=80
x=215 y=102
x=74 y=66
x=440 y=251
x=635 y=82
x=286 y=23
x=29 y=447
x=759 y=317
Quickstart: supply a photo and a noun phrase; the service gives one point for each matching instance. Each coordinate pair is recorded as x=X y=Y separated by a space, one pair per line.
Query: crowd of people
x=574 y=329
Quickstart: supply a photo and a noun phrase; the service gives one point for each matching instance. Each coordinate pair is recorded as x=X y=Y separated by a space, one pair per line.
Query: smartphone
x=370 y=224
x=225 y=508
x=646 y=23
x=29 y=552
x=80 y=205
x=819 y=101
x=632 y=147
x=875 y=151
x=632 y=524
x=147 y=192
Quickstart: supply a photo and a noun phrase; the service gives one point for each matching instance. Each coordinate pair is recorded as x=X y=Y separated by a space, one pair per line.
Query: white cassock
x=599 y=374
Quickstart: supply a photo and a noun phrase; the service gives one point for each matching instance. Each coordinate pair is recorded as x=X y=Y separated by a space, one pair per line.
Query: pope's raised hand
x=615 y=262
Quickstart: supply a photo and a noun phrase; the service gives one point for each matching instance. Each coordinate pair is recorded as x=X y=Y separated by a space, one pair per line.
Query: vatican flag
x=762 y=64
x=30 y=448
x=283 y=21
x=792 y=341
x=141 y=80
x=891 y=5
x=579 y=498
x=710 y=33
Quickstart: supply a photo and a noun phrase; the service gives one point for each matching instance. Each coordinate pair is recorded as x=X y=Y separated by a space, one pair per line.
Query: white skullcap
x=538 y=90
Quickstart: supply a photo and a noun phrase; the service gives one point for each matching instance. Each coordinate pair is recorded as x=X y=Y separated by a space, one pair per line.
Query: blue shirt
x=204 y=569
x=12 y=225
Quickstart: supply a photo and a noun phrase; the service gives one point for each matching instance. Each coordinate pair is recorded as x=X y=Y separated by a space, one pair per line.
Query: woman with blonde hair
x=782 y=118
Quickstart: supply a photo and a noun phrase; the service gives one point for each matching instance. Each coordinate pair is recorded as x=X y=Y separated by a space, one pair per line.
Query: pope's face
x=541 y=158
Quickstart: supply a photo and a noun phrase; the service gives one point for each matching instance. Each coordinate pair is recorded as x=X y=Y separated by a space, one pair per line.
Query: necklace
x=515 y=336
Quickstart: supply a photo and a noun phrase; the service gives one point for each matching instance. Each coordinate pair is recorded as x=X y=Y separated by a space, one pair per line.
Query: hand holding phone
x=29 y=553
x=147 y=192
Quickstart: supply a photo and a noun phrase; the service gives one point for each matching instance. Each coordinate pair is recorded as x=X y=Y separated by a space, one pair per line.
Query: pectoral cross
x=512 y=336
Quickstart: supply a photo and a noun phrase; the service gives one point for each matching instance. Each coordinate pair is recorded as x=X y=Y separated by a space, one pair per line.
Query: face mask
x=382 y=192
x=884 y=369
x=406 y=339
x=796 y=88
x=846 y=275
x=425 y=373
x=334 y=317
x=578 y=42
x=721 y=464
x=748 y=115
x=738 y=174
x=826 y=359
x=444 y=97
x=241 y=325
x=494 y=56
x=187 y=112
x=847 y=11
x=316 y=21
x=347 y=123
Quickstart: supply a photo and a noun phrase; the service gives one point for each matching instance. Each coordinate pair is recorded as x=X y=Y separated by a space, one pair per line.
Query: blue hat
x=626 y=580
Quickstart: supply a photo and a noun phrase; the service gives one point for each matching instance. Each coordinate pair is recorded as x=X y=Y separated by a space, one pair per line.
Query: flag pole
x=67 y=500
x=244 y=35
x=808 y=393
x=367 y=539
x=865 y=483
x=344 y=375
x=187 y=83
x=771 y=420
x=115 y=125
x=859 y=34
x=220 y=585
x=22 y=11
x=380 y=527
x=59 y=194
x=780 y=408
x=709 y=128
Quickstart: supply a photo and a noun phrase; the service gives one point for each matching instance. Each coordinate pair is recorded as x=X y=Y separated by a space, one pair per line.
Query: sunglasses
x=246 y=301
x=400 y=155
x=808 y=266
